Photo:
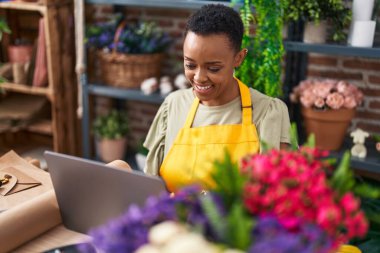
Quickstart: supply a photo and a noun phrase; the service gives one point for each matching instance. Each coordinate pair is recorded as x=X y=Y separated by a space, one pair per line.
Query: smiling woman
x=194 y=127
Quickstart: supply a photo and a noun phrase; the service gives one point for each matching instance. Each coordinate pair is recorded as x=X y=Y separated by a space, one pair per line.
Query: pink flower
x=323 y=89
x=343 y=87
x=307 y=98
x=319 y=102
x=335 y=100
x=378 y=146
x=349 y=102
x=349 y=203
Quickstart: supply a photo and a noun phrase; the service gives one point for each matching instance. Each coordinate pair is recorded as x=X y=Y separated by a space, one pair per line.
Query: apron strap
x=245 y=103
x=191 y=114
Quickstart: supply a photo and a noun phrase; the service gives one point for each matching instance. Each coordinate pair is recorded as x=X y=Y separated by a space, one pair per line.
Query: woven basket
x=128 y=70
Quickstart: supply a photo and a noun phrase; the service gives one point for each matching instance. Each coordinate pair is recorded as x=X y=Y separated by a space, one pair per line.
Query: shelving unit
x=61 y=91
x=297 y=64
x=126 y=94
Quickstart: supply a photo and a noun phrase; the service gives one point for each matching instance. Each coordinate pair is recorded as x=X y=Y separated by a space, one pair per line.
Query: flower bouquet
x=281 y=201
x=128 y=52
x=328 y=107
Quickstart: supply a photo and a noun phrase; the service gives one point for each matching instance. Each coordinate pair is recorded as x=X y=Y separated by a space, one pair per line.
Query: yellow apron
x=191 y=157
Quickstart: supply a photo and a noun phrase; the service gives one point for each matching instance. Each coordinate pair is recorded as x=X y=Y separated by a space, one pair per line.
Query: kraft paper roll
x=28 y=220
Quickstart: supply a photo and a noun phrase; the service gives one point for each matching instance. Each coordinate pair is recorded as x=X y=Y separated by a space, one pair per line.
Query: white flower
x=189 y=243
x=147 y=248
x=165 y=231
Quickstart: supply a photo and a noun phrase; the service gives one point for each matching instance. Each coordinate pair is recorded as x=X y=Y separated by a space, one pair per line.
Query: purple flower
x=271 y=237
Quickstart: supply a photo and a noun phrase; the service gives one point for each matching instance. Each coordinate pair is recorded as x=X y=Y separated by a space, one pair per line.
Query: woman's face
x=209 y=63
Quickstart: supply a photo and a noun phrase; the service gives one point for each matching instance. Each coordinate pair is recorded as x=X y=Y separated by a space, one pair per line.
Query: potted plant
x=128 y=52
x=110 y=131
x=328 y=107
x=261 y=68
x=316 y=11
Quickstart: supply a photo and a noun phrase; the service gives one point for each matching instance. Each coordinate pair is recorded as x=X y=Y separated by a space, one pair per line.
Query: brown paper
x=11 y=159
x=28 y=220
x=22 y=181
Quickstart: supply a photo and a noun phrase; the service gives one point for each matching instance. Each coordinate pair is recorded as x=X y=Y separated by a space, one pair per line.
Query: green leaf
x=294 y=136
x=239 y=227
x=367 y=191
x=310 y=141
x=214 y=217
x=228 y=180
x=343 y=177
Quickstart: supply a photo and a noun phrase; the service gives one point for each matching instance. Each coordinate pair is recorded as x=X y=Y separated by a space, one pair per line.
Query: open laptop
x=90 y=193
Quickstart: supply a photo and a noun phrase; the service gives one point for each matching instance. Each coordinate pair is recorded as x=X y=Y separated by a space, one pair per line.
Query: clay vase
x=20 y=53
x=328 y=126
x=111 y=149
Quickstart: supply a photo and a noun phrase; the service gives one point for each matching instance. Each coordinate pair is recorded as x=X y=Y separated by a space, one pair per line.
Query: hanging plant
x=261 y=69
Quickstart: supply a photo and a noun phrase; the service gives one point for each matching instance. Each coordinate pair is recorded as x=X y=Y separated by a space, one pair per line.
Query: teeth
x=203 y=87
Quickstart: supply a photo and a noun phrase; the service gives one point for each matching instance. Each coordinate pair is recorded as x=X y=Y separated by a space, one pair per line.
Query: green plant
x=261 y=68
x=4 y=28
x=113 y=125
x=317 y=10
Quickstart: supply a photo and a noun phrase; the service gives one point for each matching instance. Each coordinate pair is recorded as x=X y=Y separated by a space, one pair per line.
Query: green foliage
x=229 y=181
x=376 y=137
x=229 y=184
x=4 y=28
x=261 y=68
x=317 y=10
x=113 y=125
x=343 y=178
x=294 y=136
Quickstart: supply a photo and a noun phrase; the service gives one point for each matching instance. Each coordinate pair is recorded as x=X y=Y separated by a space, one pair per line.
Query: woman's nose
x=200 y=75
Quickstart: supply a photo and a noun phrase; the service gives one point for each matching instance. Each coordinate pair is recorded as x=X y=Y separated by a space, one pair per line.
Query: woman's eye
x=214 y=70
x=190 y=66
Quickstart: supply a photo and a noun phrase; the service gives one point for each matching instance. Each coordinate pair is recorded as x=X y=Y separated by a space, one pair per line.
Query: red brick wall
x=362 y=72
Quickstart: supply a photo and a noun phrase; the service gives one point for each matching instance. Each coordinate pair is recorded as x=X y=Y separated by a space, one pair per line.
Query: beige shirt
x=270 y=115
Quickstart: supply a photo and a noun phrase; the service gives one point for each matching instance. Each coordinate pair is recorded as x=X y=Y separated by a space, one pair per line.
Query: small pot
x=111 y=149
x=20 y=53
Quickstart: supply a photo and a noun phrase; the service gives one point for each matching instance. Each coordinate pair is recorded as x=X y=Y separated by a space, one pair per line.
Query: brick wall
x=365 y=73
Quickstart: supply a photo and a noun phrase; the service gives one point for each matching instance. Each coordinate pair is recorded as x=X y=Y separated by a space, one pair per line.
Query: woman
x=194 y=127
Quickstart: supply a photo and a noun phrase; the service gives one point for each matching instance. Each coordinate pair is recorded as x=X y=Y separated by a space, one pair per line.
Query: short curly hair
x=217 y=19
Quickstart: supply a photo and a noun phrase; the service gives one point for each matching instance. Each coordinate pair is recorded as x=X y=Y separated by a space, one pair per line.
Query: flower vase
x=111 y=149
x=315 y=33
x=328 y=126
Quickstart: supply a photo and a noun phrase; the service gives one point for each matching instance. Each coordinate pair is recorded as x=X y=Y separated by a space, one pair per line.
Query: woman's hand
x=120 y=165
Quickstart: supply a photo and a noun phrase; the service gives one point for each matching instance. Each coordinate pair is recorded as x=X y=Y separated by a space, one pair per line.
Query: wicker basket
x=128 y=70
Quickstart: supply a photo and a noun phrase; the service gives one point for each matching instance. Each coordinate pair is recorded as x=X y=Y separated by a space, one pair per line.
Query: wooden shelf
x=22 y=88
x=43 y=126
x=18 y=5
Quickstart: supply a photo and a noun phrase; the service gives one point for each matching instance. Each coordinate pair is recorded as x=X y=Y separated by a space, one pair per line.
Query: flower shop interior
x=86 y=79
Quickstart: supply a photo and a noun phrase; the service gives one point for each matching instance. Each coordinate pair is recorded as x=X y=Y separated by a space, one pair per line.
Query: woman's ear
x=239 y=57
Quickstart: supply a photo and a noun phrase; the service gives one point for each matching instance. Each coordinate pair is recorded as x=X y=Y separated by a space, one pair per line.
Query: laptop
x=89 y=193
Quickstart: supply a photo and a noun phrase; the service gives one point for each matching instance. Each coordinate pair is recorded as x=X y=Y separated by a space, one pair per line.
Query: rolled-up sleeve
x=155 y=141
x=274 y=127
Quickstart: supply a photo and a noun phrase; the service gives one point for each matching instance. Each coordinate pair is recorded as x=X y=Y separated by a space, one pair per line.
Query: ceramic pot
x=315 y=33
x=328 y=126
x=111 y=149
x=20 y=53
x=362 y=10
x=362 y=33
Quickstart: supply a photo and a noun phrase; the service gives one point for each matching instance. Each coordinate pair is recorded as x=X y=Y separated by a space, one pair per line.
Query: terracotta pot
x=20 y=54
x=329 y=127
x=110 y=150
x=315 y=33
